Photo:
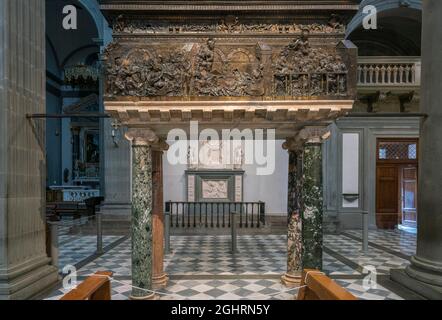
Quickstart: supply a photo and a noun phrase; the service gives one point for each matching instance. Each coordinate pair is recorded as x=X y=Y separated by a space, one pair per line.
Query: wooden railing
x=389 y=71
x=215 y=214
x=96 y=287
x=317 y=286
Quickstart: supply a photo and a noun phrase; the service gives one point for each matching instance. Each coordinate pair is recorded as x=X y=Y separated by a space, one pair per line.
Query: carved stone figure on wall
x=208 y=81
x=142 y=73
x=301 y=70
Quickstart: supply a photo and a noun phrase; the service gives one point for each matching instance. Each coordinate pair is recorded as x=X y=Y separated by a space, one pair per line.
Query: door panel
x=409 y=196
x=387 y=197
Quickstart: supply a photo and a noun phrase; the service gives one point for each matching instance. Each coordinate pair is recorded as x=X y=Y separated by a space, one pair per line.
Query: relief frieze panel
x=211 y=68
x=228 y=25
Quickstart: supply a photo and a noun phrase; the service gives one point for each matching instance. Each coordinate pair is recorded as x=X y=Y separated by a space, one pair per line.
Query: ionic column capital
x=160 y=146
x=142 y=137
x=314 y=135
x=308 y=135
x=293 y=144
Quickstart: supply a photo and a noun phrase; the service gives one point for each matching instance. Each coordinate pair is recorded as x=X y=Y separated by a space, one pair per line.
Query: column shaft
x=294 y=223
x=159 y=276
x=424 y=275
x=312 y=206
x=141 y=221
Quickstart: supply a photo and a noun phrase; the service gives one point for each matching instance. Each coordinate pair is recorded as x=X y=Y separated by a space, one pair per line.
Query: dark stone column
x=424 y=275
x=312 y=206
x=159 y=277
x=294 y=222
x=141 y=226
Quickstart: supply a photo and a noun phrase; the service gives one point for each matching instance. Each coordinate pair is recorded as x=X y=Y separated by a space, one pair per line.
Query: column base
x=160 y=282
x=28 y=281
x=151 y=296
x=424 y=289
x=291 y=280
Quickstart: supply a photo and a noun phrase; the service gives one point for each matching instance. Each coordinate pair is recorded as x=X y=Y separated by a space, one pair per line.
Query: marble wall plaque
x=191 y=188
x=215 y=189
x=238 y=188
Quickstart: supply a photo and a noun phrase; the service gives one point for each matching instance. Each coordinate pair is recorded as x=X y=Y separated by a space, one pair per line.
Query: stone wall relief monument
x=249 y=65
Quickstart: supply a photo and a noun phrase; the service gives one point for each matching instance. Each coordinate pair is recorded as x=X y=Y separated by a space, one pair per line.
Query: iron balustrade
x=215 y=214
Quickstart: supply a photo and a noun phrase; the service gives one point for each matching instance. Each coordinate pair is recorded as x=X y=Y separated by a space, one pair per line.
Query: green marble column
x=312 y=206
x=294 y=223
x=141 y=225
x=141 y=220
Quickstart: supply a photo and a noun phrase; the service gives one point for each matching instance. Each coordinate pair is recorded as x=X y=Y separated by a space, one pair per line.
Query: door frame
x=399 y=164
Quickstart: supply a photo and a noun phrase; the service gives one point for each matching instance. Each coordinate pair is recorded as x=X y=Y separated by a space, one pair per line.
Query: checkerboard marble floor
x=203 y=268
x=77 y=248
x=396 y=240
x=351 y=249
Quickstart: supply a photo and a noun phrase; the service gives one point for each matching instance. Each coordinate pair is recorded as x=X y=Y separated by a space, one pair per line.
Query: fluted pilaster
x=24 y=266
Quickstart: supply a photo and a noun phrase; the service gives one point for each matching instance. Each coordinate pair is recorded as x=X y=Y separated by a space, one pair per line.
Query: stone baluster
x=142 y=207
x=407 y=74
x=395 y=74
x=401 y=74
x=365 y=74
x=376 y=73
x=413 y=73
x=370 y=73
x=389 y=69
x=383 y=71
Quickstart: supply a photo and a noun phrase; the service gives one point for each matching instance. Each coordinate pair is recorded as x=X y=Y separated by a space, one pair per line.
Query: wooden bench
x=96 y=287
x=317 y=286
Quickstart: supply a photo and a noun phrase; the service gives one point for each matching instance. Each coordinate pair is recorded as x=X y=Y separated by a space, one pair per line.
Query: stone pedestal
x=141 y=225
x=159 y=277
x=25 y=269
x=424 y=275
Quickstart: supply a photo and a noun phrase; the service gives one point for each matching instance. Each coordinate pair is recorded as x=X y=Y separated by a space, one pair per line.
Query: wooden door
x=387 y=196
x=409 y=196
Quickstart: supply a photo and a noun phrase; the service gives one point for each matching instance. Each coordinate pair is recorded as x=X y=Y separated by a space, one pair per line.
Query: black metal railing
x=215 y=214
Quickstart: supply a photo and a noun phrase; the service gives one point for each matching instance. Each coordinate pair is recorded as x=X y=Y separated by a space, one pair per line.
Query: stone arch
x=398 y=33
x=382 y=6
x=93 y=9
x=241 y=59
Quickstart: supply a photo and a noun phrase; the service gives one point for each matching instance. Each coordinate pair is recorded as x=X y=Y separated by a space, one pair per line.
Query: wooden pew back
x=317 y=286
x=96 y=287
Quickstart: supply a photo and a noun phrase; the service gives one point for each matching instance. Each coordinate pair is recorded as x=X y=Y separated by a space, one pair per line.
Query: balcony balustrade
x=389 y=71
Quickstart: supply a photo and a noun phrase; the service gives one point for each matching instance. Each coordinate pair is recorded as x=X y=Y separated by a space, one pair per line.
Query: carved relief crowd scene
x=199 y=69
x=304 y=71
x=226 y=25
